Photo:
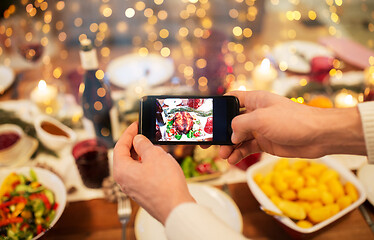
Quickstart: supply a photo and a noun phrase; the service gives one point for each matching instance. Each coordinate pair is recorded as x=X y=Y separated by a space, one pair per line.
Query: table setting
x=71 y=84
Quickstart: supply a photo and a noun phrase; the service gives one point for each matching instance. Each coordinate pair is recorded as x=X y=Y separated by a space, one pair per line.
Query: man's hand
x=155 y=181
x=279 y=126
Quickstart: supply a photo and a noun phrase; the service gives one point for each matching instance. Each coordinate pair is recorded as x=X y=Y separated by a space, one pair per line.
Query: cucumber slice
x=49 y=194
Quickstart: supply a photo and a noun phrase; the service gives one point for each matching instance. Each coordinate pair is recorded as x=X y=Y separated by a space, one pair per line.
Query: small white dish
x=7 y=78
x=19 y=152
x=148 y=228
x=297 y=54
x=47 y=179
x=266 y=165
x=366 y=177
x=350 y=78
x=54 y=141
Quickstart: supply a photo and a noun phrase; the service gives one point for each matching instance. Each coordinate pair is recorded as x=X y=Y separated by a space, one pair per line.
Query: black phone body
x=188 y=120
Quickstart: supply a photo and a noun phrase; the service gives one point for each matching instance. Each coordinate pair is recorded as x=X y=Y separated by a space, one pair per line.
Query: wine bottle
x=96 y=99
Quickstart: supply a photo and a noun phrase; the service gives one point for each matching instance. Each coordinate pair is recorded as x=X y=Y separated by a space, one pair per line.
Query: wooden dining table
x=98 y=219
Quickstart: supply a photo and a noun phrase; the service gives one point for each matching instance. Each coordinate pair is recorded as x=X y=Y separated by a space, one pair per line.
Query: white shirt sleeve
x=190 y=221
x=367 y=117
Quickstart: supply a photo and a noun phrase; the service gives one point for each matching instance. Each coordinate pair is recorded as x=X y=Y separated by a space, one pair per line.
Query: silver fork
x=124 y=212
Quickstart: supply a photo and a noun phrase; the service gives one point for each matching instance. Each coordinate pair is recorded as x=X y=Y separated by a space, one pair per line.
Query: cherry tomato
x=209 y=125
x=39 y=229
x=204 y=168
x=195 y=103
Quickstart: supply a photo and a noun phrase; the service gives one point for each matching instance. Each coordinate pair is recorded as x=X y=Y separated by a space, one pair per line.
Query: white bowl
x=51 y=141
x=47 y=179
x=266 y=165
x=20 y=151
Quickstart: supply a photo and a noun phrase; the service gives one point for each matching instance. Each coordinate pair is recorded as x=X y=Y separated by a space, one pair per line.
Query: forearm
x=340 y=131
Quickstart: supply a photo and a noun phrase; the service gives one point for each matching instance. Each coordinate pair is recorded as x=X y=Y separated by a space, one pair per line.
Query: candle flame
x=344 y=99
x=265 y=64
x=348 y=99
x=42 y=85
x=242 y=88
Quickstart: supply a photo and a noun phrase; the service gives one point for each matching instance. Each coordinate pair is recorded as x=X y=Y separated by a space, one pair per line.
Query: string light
x=130 y=12
x=60 y=5
x=165 y=52
x=312 y=15
x=139 y=6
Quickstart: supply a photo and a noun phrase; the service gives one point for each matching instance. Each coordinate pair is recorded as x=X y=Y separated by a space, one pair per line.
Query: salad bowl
x=43 y=188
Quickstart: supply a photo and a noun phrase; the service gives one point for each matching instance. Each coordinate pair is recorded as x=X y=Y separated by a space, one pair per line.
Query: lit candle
x=242 y=88
x=264 y=75
x=45 y=97
x=344 y=99
x=239 y=85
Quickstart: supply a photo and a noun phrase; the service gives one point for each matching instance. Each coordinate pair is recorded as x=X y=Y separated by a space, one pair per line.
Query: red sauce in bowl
x=7 y=139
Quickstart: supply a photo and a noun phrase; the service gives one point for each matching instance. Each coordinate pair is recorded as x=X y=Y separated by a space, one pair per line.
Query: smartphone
x=172 y=120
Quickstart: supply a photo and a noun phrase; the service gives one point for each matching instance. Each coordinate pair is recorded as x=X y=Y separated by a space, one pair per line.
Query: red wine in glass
x=91 y=158
x=31 y=51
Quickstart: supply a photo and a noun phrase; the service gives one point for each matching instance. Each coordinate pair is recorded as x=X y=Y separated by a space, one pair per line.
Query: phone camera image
x=185 y=120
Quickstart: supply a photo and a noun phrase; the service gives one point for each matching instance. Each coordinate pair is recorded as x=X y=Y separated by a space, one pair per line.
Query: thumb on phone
x=142 y=146
x=242 y=127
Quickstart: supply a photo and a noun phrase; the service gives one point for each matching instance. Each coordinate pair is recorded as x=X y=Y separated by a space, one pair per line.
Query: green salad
x=26 y=207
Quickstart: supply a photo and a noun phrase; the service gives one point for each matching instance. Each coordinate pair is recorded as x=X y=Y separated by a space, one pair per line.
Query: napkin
x=348 y=50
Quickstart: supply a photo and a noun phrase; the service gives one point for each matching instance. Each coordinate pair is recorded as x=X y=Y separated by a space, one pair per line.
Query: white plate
x=7 y=78
x=266 y=165
x=349 y=78
x=133 y=68
x=148 y=228
x=47 y=179
x=297 y=54
x=366 y=177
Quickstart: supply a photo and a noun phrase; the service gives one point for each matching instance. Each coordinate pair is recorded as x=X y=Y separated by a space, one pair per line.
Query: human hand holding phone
x=156 y=182
x=279 y=126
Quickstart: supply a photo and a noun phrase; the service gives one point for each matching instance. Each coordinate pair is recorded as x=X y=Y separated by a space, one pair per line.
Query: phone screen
x=182 y=119
x=188 y=120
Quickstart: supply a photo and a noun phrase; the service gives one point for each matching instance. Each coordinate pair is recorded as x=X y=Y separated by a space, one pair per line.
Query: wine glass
x=27 y=45
x=28 y=39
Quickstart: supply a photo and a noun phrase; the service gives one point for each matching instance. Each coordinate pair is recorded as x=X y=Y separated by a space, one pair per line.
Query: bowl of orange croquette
x=309 y=193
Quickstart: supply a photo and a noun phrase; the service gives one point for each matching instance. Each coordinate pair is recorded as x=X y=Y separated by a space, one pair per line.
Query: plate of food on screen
x=188 y=120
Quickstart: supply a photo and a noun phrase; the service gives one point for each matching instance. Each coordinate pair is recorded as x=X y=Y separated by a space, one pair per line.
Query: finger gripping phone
x=171 y=120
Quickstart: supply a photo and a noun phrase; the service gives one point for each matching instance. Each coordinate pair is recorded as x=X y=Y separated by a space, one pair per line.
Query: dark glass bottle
x=96 y=99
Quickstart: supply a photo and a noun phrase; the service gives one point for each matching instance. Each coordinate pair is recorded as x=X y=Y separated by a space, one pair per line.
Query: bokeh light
x=130 y=12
